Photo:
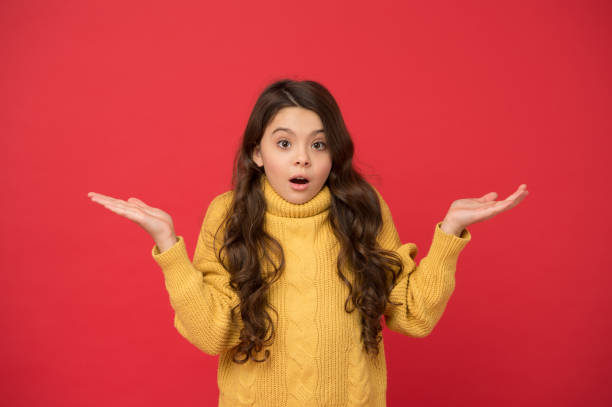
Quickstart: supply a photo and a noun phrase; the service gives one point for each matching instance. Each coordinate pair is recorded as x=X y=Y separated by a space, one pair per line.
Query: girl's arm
x=199 y=292
x=423 y=290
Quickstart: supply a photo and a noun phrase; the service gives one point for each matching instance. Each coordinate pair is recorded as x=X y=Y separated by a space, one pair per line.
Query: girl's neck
x=279 y=206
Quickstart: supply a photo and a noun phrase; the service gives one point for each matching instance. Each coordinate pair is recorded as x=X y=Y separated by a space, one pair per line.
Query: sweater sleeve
x=423 y=289
x=199 y=292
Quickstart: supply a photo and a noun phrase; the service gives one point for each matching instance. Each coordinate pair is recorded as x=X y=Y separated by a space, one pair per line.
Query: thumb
x=146 y=208
x=142 y=205
x=487 y=197
x=136 y=201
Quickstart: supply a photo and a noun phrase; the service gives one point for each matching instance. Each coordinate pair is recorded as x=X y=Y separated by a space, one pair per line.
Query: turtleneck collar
x=279 y=206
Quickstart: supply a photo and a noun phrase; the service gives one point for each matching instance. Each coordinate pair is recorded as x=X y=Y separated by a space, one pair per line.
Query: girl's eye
x=285 y=144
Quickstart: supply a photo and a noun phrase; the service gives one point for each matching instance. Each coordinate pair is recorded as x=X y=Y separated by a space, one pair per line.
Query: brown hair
x=355 y=218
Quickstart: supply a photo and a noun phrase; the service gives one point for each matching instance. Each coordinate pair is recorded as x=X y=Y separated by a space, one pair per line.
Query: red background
x=444 y=101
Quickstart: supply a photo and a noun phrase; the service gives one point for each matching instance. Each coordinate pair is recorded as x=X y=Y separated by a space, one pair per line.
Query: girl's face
x=294 y=145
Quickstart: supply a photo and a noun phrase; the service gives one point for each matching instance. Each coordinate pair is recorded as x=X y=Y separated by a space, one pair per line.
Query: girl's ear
x=257 y=156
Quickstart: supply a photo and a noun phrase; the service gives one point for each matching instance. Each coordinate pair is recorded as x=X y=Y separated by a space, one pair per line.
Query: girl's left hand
x=464 y=212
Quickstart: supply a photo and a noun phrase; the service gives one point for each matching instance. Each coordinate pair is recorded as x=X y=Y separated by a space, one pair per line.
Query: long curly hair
x=355 y=218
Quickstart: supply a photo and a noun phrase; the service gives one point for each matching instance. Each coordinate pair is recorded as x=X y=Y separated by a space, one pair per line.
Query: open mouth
x=299 y=180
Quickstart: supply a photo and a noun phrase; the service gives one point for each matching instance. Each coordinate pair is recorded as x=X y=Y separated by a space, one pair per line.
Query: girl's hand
x=154 y=221
x=464 y=212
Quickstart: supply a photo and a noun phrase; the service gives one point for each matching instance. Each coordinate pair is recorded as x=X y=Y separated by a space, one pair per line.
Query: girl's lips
x=299 y=187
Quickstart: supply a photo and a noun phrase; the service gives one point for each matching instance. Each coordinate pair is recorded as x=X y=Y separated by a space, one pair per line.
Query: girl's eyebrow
x=292 y=132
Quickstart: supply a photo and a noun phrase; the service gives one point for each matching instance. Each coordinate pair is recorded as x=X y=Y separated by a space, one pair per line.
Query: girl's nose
x=302 y=158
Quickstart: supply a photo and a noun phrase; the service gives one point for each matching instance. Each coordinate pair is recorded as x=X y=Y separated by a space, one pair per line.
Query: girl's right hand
x=154 y=221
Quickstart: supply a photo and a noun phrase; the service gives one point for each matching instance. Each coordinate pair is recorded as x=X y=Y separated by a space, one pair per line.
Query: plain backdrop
x=444 y=100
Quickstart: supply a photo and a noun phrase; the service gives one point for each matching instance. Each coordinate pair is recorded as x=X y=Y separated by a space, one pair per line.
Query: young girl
x=297 y=264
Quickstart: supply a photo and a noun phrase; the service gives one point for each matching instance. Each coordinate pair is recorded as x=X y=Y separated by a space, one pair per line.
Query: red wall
x=444 y=101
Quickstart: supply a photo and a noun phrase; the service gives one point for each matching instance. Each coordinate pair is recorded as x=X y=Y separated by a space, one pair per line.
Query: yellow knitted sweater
x=317 y=357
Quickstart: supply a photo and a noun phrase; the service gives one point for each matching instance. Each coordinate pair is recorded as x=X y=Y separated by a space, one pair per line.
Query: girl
x=295 y=267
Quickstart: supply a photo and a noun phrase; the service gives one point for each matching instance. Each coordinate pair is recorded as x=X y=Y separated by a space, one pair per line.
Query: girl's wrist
x=450 y=228
x=166 y=243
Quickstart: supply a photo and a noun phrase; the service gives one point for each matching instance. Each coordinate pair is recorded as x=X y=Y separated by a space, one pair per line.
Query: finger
x=144 y=207
x=495 y=206
x=522 y=189
x=104 y=198
x=491 y=210
x=508 y=203
x=112 y=201
x=139 y=203
x=493 y=195
x=98 y=199
x=136 y=201
x=92 y=194
x=132 y=200
x=487 y=197
x=125 y=211
x=519 y=198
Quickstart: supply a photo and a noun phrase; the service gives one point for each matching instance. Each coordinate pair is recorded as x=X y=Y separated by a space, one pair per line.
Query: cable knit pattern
x=302 y=337
x=302 y=334
x=359 y=374
x=317 y=357
x=243 y=390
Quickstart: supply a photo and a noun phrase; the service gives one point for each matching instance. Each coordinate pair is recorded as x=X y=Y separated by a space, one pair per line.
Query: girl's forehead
x=285 y=130
x=296 y=118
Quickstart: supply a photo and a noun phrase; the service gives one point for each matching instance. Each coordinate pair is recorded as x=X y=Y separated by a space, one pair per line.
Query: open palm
x=467 y=211
x=154 y=221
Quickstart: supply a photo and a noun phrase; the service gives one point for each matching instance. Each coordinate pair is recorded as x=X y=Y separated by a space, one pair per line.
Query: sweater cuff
x=446 y=246
x=176 y=253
